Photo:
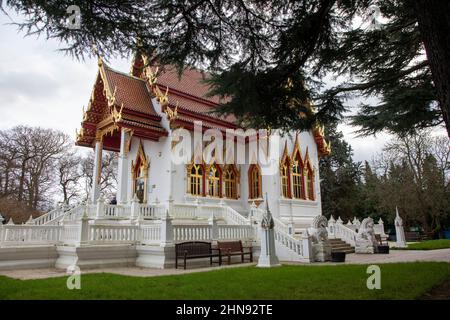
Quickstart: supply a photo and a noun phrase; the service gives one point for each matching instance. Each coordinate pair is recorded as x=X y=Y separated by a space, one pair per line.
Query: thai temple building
x=136 y=114
x=216 y=188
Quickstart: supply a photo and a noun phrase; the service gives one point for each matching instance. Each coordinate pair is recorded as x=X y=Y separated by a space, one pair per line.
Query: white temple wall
x=167 y=179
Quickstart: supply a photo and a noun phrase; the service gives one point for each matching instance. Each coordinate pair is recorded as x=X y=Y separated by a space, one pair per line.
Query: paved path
x=394 y=256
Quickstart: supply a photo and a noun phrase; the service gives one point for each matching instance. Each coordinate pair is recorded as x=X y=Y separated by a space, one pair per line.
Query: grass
x=398 y=281
x=428 y=245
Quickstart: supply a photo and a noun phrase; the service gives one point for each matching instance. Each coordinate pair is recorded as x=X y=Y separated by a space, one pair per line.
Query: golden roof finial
x=117 y=115
x=172 y=114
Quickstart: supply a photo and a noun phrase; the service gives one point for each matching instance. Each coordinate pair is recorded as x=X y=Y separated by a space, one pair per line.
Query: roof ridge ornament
x=96 y=52
x=172 y=114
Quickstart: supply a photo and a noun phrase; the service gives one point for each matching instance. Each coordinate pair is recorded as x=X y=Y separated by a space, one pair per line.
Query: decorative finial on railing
x=30 y=219
x=267 y=219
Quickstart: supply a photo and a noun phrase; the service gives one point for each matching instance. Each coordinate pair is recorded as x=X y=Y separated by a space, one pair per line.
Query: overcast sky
x=41 y=86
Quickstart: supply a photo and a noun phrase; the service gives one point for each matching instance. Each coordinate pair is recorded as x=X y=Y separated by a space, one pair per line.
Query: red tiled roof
x=191 y=82
x=131 y=91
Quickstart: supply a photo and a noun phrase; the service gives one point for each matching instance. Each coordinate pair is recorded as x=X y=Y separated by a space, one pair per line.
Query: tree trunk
x=434 y=25
x=21 y=181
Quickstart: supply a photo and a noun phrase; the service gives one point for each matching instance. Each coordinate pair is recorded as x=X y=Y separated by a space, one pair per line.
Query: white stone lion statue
x=319 y=233
x=366 y=232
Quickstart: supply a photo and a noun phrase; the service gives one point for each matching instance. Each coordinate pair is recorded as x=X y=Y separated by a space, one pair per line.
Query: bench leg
x=210 y=261
x=184 y=262
x=176 y=262
x=242 y=258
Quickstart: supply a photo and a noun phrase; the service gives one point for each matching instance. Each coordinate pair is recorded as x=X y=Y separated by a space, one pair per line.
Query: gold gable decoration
x=323 y=147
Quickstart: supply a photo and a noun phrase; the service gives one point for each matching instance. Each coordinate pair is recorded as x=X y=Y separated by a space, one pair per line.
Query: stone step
x=338 y=245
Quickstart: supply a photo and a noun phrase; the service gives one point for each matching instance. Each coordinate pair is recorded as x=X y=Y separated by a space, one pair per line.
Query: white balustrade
x=232 y=216
x=184 y=210
x=345 y=233
x=113 y=233
x=191 y=233
x=288 y=241
x=116 y=211
x=150 y=234
x=147 y=211
x=17 y=235
x=71 y=234
x=230 y=232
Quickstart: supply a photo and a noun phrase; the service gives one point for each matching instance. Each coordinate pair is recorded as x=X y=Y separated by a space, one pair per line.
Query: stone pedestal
x=267 y=257
x=364 y=246
x=322 y=251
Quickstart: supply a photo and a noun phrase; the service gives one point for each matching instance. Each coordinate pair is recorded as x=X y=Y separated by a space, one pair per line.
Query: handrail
x=345 y=233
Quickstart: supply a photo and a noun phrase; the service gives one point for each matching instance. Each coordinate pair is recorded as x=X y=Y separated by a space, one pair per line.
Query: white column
x=122 y=179
x=96 y=176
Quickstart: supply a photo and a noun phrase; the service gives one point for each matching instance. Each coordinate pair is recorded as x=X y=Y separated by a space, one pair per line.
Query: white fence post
x=84 y=230
x=306 y=247
x=198 y=208
x=166 y=230
x=332 y=227
x=134 y=208
x=100 y=208
x=214 y=227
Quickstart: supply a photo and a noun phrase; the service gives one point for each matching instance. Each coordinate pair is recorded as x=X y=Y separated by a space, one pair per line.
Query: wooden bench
x=412 y=236
x=383 y=246
x=195 y=250
x=380 y=241
x=234 y=248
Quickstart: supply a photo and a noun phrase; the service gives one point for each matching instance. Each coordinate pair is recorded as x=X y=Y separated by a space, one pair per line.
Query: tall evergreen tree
x=270 y=57
x=340 y=177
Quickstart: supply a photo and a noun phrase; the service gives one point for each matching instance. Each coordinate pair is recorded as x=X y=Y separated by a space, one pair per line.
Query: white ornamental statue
x=365 y=239
x=399 y=231
x=320 y=243
x=268 y=257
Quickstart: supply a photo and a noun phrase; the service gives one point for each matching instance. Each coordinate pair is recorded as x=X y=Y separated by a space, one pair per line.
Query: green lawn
x=428 y=245
x=398 y=281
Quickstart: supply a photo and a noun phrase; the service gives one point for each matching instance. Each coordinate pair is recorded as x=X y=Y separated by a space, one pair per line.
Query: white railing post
x=134 y=208
x=214 y=228
x=170 y=205
x=252 y=213
x=100 y=208
x=84 y=230
x=166 y=230
x=306 y=246
x=198 y=208
x=332 y=227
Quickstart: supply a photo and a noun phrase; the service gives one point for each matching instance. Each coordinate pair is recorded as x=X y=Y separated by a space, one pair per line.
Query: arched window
x=285 y=173
x=215 y=181
x=196 y=180
x=309 y=176
x=254 y=178
x=285 y=181
x=230 y=178
x=297 y=179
